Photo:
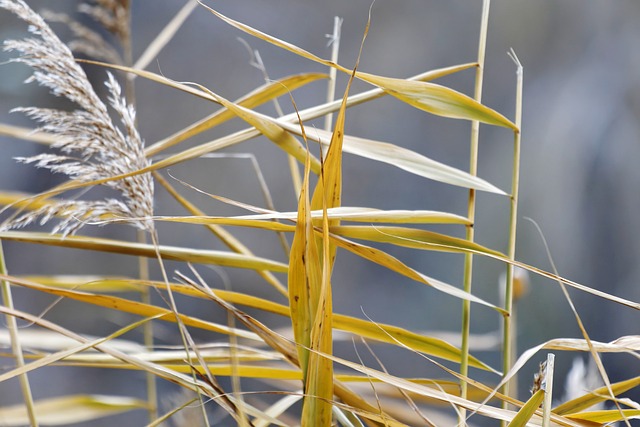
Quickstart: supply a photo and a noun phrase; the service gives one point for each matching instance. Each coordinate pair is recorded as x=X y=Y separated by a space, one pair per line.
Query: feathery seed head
x=93 y=146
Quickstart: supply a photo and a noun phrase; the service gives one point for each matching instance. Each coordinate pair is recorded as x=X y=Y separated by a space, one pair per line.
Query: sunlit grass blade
x=429 y=97
x=203 y=256
x=404 y=159
x=361 y=214
x=257 y=97
x=304 y=274
x=66 y=410
x=526 y=412
x=596 y=396
x=438 y=100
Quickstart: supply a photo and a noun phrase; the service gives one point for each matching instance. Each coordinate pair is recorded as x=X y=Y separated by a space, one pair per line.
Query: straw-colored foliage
x=304 y=382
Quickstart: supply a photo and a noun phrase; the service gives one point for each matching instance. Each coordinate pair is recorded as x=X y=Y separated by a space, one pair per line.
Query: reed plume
x=91 y=146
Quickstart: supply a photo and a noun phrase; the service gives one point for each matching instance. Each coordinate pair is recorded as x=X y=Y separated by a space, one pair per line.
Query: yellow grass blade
x=359 y=214
x=258 y=97
x=429 y=97
x=388 y=153
x=596 y=396
x=225 y=259
x=128 y=306
x=66 y=410
x=317 y=407
x=87 y=283
x=526 y=412
x=412 y=238
x=304 y=274
x=25 y=201
x=606 y=416
x=165 y=35
x=375 y=331
x=402 y=158
x=393 y=264
x=438 y=100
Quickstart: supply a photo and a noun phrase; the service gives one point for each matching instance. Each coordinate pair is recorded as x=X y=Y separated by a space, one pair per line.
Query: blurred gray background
x=579 y=177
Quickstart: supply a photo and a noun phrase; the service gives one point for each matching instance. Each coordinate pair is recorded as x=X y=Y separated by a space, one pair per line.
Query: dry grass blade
x=528 y=410
x=165 y=35
x=360 y=214
x=375 y=150
x=404 y=159
x=227 y=238
x=381 y=332
x=411 y=237
x=304 y=279
x=66 y=410
x=226 y=259
x=258 y=97
x=393 y=264
x=27 y=134
x=606 y=417
x=594 y=397
x=128 y=306
x=420 y=390
x=167 y=374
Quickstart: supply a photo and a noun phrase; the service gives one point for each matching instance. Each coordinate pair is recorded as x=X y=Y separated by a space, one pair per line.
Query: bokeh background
x=579 y=173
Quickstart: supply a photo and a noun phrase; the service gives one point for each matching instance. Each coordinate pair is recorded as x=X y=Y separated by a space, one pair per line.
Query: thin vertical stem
x=471 y=204
x=145 y=297
x=547 y=386
x=507 y=348
x=16 y=348
x=334 y=42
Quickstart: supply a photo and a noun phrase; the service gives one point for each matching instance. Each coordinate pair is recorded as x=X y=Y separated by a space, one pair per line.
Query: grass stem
x=507 y=350
x=471 y=204
x=548 y=390
x=16 y=348
x=334 y=41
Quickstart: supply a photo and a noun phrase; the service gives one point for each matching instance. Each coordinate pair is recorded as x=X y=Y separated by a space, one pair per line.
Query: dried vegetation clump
x=300 y=379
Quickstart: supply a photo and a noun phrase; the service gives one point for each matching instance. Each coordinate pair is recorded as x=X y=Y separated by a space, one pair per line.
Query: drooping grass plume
x=92 y=147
